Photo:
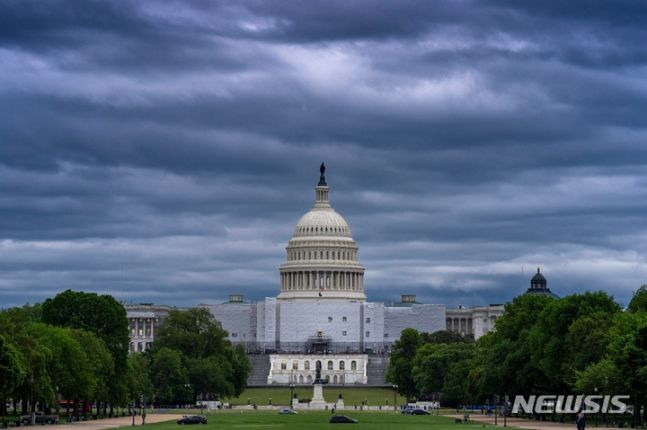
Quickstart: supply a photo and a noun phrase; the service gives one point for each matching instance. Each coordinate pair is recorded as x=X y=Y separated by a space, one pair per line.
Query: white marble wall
x=301 y=369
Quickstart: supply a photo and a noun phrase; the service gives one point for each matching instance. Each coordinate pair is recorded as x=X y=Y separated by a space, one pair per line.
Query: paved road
x=528 y=424
x=108 y=423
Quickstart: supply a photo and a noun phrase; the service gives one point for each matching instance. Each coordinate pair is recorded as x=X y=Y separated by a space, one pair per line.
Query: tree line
x=75 y=347
x=579 y=344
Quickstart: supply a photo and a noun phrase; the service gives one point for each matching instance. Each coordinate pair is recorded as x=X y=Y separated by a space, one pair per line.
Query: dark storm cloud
x=163 y=151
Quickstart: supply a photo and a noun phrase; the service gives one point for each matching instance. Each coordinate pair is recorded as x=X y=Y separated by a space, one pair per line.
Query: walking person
x=581 y=421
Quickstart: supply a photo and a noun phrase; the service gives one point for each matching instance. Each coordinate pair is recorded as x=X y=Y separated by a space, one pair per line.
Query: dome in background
x=322 y=255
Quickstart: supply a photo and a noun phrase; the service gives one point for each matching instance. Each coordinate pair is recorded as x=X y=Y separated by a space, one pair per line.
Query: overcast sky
x=163 y=151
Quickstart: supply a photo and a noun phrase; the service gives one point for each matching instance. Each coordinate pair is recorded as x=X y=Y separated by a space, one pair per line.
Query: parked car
x=287 y=411
x=40 y=419
x=419 y=411
x=342 y=419
x=408 y=409
x=192 y=419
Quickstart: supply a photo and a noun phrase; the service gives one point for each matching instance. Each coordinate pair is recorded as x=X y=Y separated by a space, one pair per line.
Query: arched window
x=309 y=379
x=295 y=365
x=300 y=379
x=353 y=365
x=330 y=365
x=334 y=379
x=318 y=365
x=342 y=365
x=306 y=365
x=327 y=256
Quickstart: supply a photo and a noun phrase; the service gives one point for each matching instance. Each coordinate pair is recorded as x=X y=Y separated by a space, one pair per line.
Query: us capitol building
x=321 y=316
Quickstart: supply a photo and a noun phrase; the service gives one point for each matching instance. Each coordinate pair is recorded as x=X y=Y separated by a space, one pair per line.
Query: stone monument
x=318 y=401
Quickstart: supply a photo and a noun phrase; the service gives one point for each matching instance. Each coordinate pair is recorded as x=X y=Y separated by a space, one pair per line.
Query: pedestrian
x=581 y=421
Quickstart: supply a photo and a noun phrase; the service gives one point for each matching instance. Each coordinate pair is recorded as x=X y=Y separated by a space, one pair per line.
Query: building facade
x=321 y=316
x=143 y=320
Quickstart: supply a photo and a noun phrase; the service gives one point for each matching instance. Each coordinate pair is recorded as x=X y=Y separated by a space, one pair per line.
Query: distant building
x=538 y=285
x=321 y=316
x=143 y=320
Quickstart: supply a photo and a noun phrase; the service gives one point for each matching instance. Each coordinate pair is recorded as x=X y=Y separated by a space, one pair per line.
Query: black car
x=342 y=419
x=192 y=419
x=419 y=411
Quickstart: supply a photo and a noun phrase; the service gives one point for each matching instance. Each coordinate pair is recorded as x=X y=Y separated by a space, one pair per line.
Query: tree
x=445 y=336
x=139 y=382
x=68 y=367
x=12 y=371
x=501 y=361
x=169 y=377
x=550 y=343
x=628 y=352
x=399 y=370
x=434 y=363
x=101 y=315
x=639 y=300
x=194 y=332
x=101 y=364
x=214 y=365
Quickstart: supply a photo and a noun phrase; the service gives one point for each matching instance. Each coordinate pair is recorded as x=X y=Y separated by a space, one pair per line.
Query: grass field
x=319 y=420
x=352 y=396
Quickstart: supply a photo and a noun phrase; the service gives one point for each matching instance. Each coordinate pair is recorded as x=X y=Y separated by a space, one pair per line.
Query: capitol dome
x=322 y=255
x=319 y=222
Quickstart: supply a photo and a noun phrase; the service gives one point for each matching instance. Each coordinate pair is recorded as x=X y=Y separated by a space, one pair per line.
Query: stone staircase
x=376 y=369
x=260 y=369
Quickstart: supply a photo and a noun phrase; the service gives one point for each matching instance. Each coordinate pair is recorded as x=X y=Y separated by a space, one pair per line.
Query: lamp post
x=143 y=408
x=132 y=408
x=395 y=390
x=595 y=389
x=32 y=408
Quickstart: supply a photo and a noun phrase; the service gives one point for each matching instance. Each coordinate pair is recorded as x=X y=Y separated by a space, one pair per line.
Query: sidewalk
x=108 y=423
x=527 y=424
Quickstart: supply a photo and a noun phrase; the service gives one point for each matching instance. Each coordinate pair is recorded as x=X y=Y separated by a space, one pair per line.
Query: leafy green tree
x=639 y=300
x=194 y=332
x=603 y=377
x=210 y=375
x=214 y=365
x=501 y=361
x=628 y=352
x=454 y=391
x=551 y=339
x=445 y=336
x=433 y=363
x=12 y=371
x=139 y=381
x=169 y=377
x=68 y=368
x=400 y=368
x=101 y=315
x=101 y=363
x=241 y=367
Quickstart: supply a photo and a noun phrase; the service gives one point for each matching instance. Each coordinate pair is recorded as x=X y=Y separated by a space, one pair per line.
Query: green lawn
x=319 y=420
x=352 y=396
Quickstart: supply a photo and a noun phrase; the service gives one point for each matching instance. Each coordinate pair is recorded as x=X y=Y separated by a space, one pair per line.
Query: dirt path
x=108 y=423
x=527 y=424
